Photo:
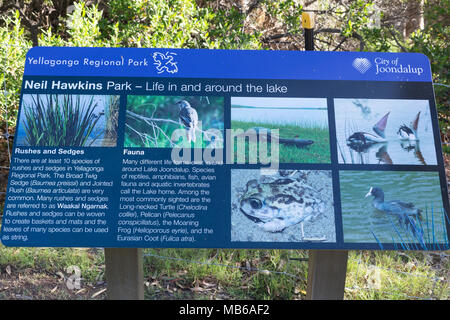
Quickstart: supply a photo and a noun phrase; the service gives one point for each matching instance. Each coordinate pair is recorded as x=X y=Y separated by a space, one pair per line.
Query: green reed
x=418 y=235
x=60 y=121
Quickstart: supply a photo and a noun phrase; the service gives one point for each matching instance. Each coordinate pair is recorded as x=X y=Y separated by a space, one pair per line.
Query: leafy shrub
x=13 y=47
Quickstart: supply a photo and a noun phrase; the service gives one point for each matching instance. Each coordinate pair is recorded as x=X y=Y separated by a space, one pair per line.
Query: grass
x=318 y=152
x=391 y=275
x=58 y=121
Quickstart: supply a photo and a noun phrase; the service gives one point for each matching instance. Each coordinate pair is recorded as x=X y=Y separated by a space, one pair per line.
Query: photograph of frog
x=174 y=121
x=384 y=131
x=282 y=206
x=64 y=120
x=395 y=207
x=302 y=125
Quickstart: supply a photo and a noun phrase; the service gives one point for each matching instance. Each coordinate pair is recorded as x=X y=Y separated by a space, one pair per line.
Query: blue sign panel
x=183 y=148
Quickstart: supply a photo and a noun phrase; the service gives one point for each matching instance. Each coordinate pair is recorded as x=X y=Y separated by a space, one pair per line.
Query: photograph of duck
x=384 y=207
x=300 y=125
x=384 y=131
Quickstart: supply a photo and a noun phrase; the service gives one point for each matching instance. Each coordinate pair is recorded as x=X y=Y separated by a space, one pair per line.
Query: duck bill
x=369 y=193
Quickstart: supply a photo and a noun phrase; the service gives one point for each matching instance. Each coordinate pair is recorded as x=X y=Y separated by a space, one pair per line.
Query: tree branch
x=150 y=122
x=353 y=35
x=396 y=40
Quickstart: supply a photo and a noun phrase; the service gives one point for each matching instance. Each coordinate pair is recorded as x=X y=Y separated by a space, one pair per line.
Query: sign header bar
x=252 y=64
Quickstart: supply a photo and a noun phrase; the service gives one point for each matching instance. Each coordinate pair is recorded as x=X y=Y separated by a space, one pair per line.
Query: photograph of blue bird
x=189 y=118
x=403 y=211
x=394 y=206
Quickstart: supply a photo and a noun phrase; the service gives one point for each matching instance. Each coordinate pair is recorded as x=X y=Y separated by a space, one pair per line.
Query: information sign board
x=127 y=147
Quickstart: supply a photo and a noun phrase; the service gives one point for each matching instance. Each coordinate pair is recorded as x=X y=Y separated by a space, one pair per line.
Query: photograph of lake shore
x=302 y=125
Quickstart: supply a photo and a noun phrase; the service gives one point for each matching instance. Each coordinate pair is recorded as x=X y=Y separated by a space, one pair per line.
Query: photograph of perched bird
x=189 y=118
x=170 y=121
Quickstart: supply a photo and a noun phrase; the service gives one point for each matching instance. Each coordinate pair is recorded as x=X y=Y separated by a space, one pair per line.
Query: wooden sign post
x=327 y=271
x=124 y=273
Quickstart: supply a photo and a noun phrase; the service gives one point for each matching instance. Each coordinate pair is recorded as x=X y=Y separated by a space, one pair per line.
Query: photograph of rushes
x=68 y=120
